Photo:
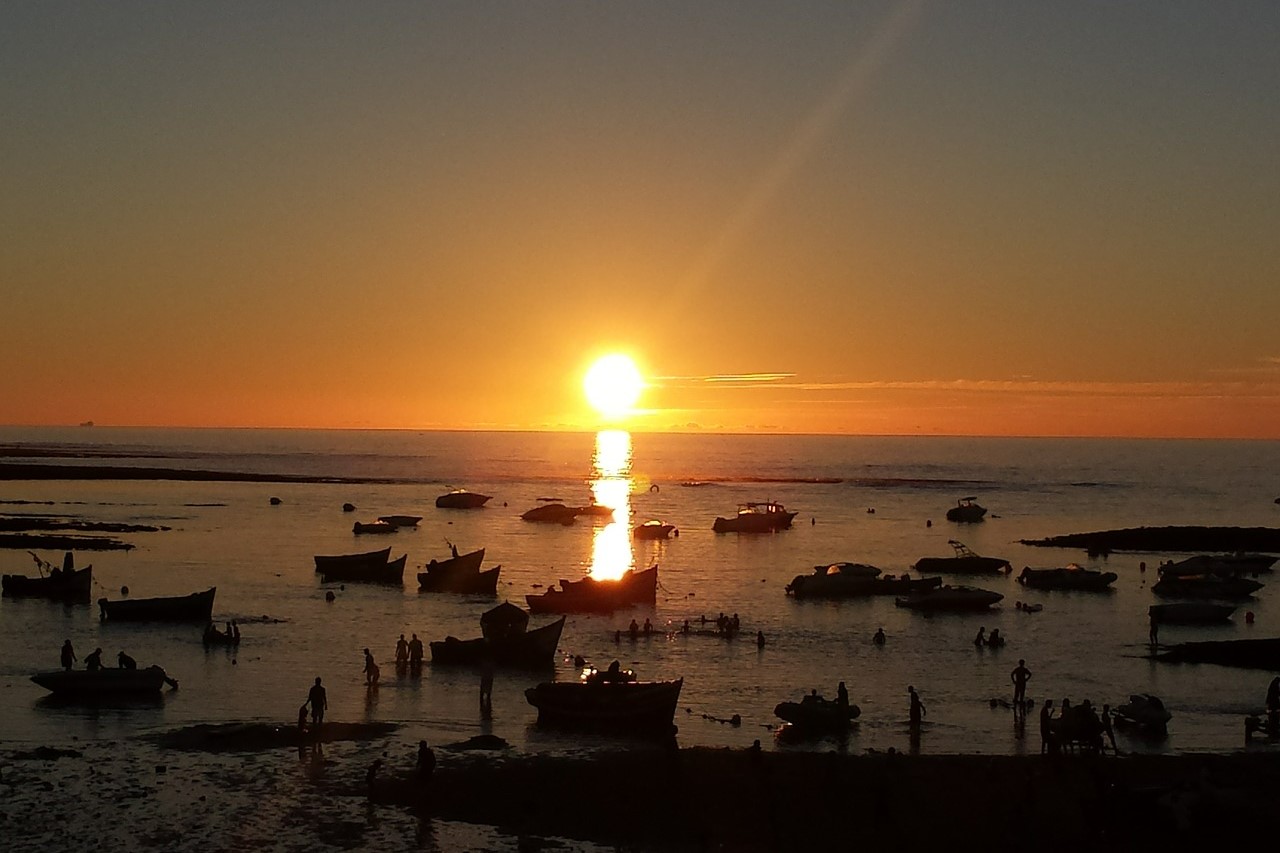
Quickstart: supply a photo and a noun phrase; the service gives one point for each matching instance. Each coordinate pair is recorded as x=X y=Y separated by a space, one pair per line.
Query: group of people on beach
x=1075 y=726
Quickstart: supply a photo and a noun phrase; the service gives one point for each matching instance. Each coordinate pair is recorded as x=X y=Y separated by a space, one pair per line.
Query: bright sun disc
x=613 y=385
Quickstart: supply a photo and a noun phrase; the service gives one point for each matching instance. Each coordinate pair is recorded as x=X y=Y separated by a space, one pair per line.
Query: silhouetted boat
x=74 y=585
x=1191 y=613
x=652 y=530
x=763 y=517
x=361 y=527
x=966 y=511
x=90 y=683
x=461 y=499
x=855 y=580
x=1205 y=586
x=1144 y=711
x=1066 y=578
x=460 y=574
x=196 y=607
x=598 y=596
x=1225 y=565
x=400 y=520
x=552 y=513
x=965 y=562
x=1251 y=654
x=390 y=572
x=818 y=715
x=950 y=598
x=370 y=558
x=594 y=511
x=505 y=640
x=598 y=705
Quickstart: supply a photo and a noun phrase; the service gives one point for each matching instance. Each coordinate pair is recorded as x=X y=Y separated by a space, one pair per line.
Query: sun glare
x=613 y=385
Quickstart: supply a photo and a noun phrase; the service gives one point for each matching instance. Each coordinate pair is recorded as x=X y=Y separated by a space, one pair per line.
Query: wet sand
x=216 y=788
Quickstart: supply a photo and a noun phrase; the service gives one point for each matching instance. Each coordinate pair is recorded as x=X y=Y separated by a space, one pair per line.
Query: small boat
x=400 y=520
x=1191 y=613
x=815 y=714
x=91 y=683
x=855 y=580
x=965 y=562
x=597 y=703
x=1224 y=565
x=389 y=572
x=595 y=511
x=1250 y=654
x=505 y=640
x=1145 y=712
x=762 y=517
x=462 y=499
x=966 y=511
x=552 y=513
x=1070 y=577
x=196 y=607
x=61 y=585
x=653 y=530
x=1206 y=586
x=371 y=558
x=373 y=527
x=950 y=598
x=598 y=596
x=460 y=574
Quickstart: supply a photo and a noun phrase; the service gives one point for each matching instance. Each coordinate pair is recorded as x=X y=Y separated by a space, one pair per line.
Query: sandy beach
x=245 y=786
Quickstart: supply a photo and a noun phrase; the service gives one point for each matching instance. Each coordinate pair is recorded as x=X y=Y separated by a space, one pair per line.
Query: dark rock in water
x=256 y=737
x=1155 y=539
x=276 y=502
x=46 y=753
x=62 y=542
x=480 y=742
x=348 y=507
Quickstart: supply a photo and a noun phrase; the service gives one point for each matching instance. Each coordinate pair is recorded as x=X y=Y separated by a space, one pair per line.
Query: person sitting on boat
x=634 y=629
x=126 y=662
x=613 y=673
x=879 y=637
x=69 y=655
x=93 y=660
x=981 y=639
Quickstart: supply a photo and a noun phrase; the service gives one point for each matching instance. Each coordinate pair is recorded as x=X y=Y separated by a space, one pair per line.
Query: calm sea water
x=259 y=556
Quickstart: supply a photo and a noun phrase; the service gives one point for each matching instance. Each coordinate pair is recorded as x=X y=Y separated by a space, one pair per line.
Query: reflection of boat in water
x=74 y=585
x=598 y=596
x=965 y=562
x=505 y=640
x=551 y=513
x=652 y=530
x=600 y=704
x=950 y=598
x=1070 y=577
x=815 y=714
x=460 y=574
x=763 y=517
x=1145 y=712
x=855 y=580
x=326 y=563
x=1205 y=586
x=1191 y=613
x=966 y=511
x=91 y=683
x=461 y=499
x=197 y=607
x=368 y=572
x=400 y=520
x=1250 y=654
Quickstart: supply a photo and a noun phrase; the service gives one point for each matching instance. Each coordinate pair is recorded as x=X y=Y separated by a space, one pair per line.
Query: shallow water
x=259 y=556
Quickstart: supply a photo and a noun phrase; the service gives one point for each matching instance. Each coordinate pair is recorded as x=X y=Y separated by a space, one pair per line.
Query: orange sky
x=864 y=218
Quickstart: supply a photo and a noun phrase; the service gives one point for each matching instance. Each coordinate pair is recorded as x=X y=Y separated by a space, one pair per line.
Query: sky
x=980 y=218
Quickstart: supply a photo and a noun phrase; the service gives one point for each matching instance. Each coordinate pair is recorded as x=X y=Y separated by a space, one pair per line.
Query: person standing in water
x=319 y=703
x=917 y=709
x=68 y=655
x=1020 y=676
x=371 y=671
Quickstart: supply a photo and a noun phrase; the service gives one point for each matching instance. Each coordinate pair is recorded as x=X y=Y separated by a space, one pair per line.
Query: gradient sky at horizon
x=879 y=217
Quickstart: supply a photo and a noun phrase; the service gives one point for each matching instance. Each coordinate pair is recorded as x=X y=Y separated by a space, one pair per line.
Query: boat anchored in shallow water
x=855 y=580
x=196 y=607
x=760 y=517
x=462 y=499
x=93 y=683
x=950 y=598
x=611 y=702
x=965 y=562
x=966 y=511
x=1070 y=577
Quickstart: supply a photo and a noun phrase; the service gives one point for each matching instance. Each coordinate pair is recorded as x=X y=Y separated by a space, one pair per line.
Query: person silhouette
x=426 y=761
x=319 y=700
x=879 y=637
x=93 y=660
x=402 y=651
x=68 y=655
x=917 y=710
x=981 y=639
x=371 y=671
x=125 y=662
x=1020 y=676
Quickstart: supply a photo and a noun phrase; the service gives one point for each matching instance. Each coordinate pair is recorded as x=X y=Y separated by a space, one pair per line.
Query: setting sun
x=613 y=385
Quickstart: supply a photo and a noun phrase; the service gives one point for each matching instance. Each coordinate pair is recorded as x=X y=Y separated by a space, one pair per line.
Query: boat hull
x=1207 y=587
x=1080 y=580
x=462 y=500
x=1248 y=654
x=753 y=522
x=826 y=586
x=972 y=565
x=476 y=583
x=197 y=607
x=950 y=599
x=392 y=572
x=818 y=716
x=84 y=683
x=372 y=558
x=67 y=586
x=534 y=649
x=1191 y=613
x=593 y=596
x=635 y=707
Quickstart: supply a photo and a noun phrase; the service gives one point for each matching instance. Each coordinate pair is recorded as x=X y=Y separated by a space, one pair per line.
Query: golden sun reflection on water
x=611 y=554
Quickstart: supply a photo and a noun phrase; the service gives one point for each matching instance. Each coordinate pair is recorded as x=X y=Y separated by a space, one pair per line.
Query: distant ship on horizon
x=86 y=423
